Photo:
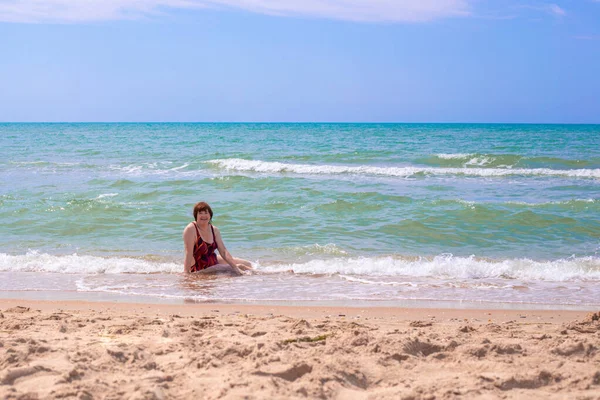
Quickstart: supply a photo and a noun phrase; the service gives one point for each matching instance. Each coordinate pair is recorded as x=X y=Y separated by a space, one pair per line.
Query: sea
x=441 y=215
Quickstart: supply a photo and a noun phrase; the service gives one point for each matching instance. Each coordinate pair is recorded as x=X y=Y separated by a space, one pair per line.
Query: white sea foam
x=469 y=159
x=444 y=266
x=180 y=167
x=237 y=164
x=382 y=283
x=149 y=168
x=549 y=203
x=448 y=266
x=458 y=156
x=104 y=195
x=33 y=261
x=479 y=161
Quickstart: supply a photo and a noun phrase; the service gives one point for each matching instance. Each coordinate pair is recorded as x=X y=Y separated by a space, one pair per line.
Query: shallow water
x=503 y=214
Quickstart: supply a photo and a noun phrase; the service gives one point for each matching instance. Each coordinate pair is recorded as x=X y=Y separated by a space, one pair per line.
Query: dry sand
x=131 y=351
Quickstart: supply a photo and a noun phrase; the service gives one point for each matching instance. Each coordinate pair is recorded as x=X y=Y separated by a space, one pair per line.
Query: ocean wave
x=470 y=160
x=505 y=161
x=568 y=203
x=105 y=195
x=445 y=266
x=34 y=261
x=136 y=169
x=458 y=156
x=236 y=164
x=46 y=163
x=51 y=166
x=162 y=167
x=491 y=209
x=474 y=165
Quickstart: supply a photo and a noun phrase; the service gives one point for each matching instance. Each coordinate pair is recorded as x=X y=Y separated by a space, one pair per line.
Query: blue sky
x=300 y=60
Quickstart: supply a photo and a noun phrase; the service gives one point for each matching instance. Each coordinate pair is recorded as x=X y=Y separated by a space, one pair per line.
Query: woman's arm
x=224 y=253
x=189 y=239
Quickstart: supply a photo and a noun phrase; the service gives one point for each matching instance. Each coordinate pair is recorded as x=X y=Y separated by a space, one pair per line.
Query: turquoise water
x=369 y=212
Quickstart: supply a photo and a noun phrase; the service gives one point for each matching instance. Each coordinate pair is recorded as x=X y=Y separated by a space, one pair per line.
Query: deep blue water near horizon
x=498 y=213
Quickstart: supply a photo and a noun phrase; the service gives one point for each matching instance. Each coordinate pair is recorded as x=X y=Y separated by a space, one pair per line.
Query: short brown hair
x=202 y=206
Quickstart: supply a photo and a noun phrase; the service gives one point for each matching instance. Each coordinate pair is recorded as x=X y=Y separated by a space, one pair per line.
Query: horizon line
x=300 y=122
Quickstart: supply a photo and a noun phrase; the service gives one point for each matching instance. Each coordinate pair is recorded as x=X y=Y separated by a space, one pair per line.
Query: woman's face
x=203 y=216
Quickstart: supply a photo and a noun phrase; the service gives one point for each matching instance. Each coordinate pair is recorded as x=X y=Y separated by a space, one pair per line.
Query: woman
x=201 y=239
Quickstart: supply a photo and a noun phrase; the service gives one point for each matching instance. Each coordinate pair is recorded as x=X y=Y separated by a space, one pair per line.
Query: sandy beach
x=88 y=350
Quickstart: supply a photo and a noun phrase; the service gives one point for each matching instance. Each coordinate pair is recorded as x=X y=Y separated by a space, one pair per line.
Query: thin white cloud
x=77 y=11
x=552 y=9
x=556 y=10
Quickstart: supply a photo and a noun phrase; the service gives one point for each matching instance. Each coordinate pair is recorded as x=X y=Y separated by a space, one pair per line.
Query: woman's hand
x=244 y=267
x=238 y=268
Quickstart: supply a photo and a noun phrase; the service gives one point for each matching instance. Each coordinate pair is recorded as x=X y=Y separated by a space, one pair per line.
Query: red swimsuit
x=204 y=253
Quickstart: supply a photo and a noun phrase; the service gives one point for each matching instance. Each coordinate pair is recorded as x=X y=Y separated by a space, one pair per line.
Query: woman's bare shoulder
x=188 y=227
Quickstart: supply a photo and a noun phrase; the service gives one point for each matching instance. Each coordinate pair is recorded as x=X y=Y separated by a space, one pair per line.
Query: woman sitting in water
x=201 y=239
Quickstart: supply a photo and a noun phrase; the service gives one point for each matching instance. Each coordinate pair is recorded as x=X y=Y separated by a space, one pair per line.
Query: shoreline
x=100 y=297
x=89 y=350
x=300 y=311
